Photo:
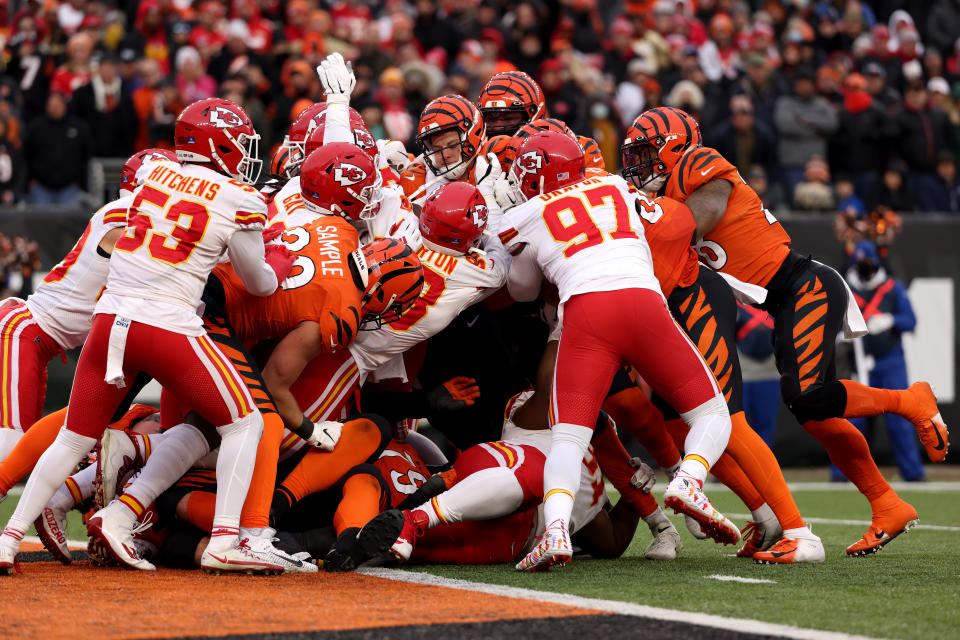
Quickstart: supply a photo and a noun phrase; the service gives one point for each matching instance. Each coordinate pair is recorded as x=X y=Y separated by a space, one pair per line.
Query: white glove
x=644 y=478
x=325 y=435
x=507 y=193
x=395 y=154
x=879 y=322
x=486 y=171
x=337 y=78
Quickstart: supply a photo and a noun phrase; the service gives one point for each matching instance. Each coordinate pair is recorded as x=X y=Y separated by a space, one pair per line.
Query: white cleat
x=792 y=551
x=117 y=453
x=685 y=496
x=554 y=549
x=666 y=544
x=241 y=559
x=51 y=526
x=263 y=543
x=8 y=561
x=114 y=527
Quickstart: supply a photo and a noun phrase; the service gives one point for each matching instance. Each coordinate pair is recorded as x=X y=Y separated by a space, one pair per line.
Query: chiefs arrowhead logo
x=479 y=214
x=224 y=118
x=347 y=174
x=531 y=161
x=363 y=138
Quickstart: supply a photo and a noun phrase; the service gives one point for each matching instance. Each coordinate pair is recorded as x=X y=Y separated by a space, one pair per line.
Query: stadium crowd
x=821 y=104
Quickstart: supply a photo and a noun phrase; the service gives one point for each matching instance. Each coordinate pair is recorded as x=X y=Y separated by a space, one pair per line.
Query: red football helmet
x=218 y=132
x=450 y=113
x=545 y=162
x=655 y=142
x=394 y=280
x=361 y=135
x=510 y=100
x=453 y=219
x=340 y=178
x=128 y=175
x=294 y=143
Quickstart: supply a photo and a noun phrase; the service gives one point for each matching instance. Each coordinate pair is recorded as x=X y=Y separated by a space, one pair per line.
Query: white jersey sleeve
x=179 y=224
x=451 y=284
x=63 y=303
x=396 y=219
x=287 y=207
x=585 y=237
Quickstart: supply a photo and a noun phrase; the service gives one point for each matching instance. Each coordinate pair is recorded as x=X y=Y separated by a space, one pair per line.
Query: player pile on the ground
x=359 y=277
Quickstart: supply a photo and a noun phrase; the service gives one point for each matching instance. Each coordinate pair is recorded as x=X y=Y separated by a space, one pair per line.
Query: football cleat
x=392 y=531
x=792 y=551
x=262 y=543
x=885 y=526
x=666 y=544
x=927 y=421
x=117 y=453
x=760 y=536
x=51 y=526
x=345 y=554
x=685 y=496
x=111 y=527
x=553 y=550
x=241 y=559
x=8 y=561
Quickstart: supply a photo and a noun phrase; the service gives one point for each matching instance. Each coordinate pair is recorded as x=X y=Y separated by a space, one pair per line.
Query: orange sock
x=201 y=506
x=633 y=412
x=362 y=500
x=762 y=469
x=31 y=446
x=319 y=470
x=725 y=469
x=864 y=401
x=614 y=463
x=256 y=507
x=848 y=449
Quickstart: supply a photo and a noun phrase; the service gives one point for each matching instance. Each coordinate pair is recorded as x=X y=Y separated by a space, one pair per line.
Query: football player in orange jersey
x=808 y=300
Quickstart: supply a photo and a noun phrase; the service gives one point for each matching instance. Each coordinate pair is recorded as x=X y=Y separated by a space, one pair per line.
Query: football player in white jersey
x=183 y=218
x=583 y=236
x=56 y=317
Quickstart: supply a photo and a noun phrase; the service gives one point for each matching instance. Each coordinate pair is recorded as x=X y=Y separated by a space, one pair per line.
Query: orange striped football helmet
x=510 y=100
x=503 y=148
x=394 y=280
x=447 y=155
x=655 y=143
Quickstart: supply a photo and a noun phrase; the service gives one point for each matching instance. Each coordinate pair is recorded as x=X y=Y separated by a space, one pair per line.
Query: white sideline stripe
x=73 y=545
x=857 y=523
x=742 y=625
x=939 y=486
x=717 y=576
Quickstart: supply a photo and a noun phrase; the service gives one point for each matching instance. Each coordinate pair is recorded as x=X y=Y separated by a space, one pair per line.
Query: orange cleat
x=792 y=551
x=886 y=526
x=920 y=408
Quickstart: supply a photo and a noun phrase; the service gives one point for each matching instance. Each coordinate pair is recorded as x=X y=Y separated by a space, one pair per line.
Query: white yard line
x=742 y=625
x=722 y=578
x=852 y=523
x=74 y=545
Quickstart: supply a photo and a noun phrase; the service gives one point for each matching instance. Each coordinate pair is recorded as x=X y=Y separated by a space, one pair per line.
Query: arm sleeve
x=525 y=278
x=245 y=250
x=337 y=127
x=903 y=319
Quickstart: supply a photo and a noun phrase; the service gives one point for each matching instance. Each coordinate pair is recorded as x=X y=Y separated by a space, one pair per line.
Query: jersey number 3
x=184 y=238
x=568 y=219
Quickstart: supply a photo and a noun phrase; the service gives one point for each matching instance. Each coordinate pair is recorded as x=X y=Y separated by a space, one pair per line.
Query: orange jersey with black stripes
x=403 y=470
x=591 y=153
x=320 y=288
x=748 y=242
x=669 y=228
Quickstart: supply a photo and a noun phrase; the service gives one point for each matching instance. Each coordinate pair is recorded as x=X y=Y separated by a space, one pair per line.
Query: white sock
x=238 y=454
x=82 y=482
x=9 y=437
x=169 y=459
x=799 y=532
x=483 y=495
x=561 y=472
x=53 y=467
x=709 y=433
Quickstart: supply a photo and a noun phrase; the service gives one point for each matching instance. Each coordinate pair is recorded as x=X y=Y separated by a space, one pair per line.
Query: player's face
x=503 y=122
x=445 y=149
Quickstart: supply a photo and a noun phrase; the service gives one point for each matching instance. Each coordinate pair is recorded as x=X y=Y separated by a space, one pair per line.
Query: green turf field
x=909 y=590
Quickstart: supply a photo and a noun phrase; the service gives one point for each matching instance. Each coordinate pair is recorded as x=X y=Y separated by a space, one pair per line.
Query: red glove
x=280 y=259
x=272 y=232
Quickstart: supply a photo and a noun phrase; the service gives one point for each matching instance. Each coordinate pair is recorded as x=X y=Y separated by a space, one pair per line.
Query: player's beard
x=654 y=185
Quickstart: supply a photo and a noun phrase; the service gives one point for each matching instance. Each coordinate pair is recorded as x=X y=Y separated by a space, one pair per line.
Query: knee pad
x=252 y=422
x=715 y=406
x=818 y=402
x=575 y=434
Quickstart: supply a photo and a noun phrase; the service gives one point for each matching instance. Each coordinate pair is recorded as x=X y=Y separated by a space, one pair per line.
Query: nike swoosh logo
x=470 y=323
x=703 y=173
x=780 y=554
x=327 y=433
x=879 y=535
x=940 y=443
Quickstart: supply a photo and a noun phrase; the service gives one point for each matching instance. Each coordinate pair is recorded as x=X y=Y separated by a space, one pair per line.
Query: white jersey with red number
x=451 y=284
x=63 y=303
x=178 y=226
x=592 y=494
x=586 y=237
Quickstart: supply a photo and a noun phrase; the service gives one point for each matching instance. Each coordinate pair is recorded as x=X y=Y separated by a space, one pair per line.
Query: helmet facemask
x=505 y=121
x=249 y=166
x=431 y=155
x=370 y=197
x=641 y=163
x=297 y=155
